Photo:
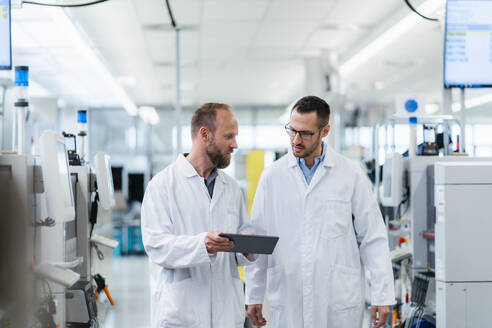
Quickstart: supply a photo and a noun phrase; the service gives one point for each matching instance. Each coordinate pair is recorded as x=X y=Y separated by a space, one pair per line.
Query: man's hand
x=255 y=315
x=379 y=315
x=215 y=243
x=248 y=233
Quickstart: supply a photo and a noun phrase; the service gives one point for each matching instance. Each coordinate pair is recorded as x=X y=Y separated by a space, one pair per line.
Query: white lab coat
x=190 y=288
x=315 y=276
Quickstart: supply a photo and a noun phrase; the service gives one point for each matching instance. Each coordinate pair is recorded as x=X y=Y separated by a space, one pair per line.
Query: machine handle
x=70 y=265
x=108 y=295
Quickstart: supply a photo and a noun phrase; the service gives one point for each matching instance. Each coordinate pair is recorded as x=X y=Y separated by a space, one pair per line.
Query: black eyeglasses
x=305 y=135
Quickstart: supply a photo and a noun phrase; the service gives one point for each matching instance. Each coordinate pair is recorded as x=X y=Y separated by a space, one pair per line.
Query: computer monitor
x=117 y=177
x=467 y=51
x=70 y=143
x=5 y=36
x=56 y=177
x=136 y=187
x=104 y=178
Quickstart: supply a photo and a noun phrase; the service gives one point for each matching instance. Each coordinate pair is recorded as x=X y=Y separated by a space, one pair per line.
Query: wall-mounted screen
x=468 y=44
x=5 y=36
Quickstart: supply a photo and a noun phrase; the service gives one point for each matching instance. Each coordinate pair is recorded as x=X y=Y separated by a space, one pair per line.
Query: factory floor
x=129 y=286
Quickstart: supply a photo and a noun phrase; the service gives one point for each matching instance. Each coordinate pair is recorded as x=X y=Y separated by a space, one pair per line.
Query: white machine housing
x=463 y=192
x=392 y=180
x=56 y=246
x=56 y=177
x=104 y=178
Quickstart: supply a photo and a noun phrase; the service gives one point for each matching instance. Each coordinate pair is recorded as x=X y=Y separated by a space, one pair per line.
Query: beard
x=306 y=152
x=219 y=160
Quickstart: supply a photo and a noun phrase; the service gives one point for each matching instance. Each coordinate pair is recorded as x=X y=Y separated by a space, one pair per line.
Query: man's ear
x=204 y=134
x=325 y=130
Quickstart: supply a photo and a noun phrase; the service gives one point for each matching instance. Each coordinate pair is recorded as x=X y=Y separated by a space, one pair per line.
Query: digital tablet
x=252 y=244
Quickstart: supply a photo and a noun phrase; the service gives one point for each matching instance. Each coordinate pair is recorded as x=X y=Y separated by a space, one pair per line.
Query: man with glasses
x=330 y=230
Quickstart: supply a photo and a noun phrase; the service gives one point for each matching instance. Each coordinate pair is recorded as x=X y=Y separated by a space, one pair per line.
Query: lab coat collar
x=185 y=166
x=329 y=160
x=189 y=171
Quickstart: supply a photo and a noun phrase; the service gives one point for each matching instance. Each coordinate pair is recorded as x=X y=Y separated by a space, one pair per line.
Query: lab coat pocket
x=275 y=280
x=175 y=304
x=277 y=317
x=346 y=288
x=336 y=219
x=238 y=302
x=349 y=318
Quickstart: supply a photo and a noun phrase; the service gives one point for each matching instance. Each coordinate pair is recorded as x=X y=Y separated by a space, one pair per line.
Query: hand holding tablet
x=251 y=244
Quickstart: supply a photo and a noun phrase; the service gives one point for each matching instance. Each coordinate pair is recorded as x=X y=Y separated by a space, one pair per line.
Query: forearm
x=376 y=259
x=243 y=260
x=176 y=251
x=256 y=278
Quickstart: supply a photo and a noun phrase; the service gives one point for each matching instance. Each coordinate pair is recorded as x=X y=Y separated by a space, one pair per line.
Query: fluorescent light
x=473 y=102
x=132 y=137
x=67 y=27
x=477 y=101
x=456 y=107
x=431 y=108
x=379 y=85
x=390 y=35
x=149 y=115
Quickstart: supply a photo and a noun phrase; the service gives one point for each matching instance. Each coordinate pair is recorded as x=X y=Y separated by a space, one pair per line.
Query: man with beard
x=330 y=228
x=194 y=283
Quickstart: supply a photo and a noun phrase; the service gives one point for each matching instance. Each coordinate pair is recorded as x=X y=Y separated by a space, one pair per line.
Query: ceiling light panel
x=152 y=12
x=394 y=31
x=185 y=12
x=226 y=33
x=294 y=10
x=412 y=51
x=161 y=45
x=273 y=82
x=362 y=13
x=234 y=10
x=210 y=53
x=337 y=40
x=273 y=53
x=110 y=37
x=284 y=34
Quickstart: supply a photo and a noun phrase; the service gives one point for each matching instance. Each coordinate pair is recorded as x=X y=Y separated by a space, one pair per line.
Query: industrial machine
x=435 y=208
x=463 y=191
x=56 y=242
x=38 y=236
x=49 y=209
x=37 y=230
x=92 y=189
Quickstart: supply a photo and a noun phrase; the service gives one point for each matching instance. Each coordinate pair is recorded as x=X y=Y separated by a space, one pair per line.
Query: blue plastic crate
x=118 y=236
x=135 y=242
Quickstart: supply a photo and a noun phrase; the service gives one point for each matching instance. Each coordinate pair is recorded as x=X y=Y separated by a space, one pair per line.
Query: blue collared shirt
x=309 y=173
x=210 y=182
